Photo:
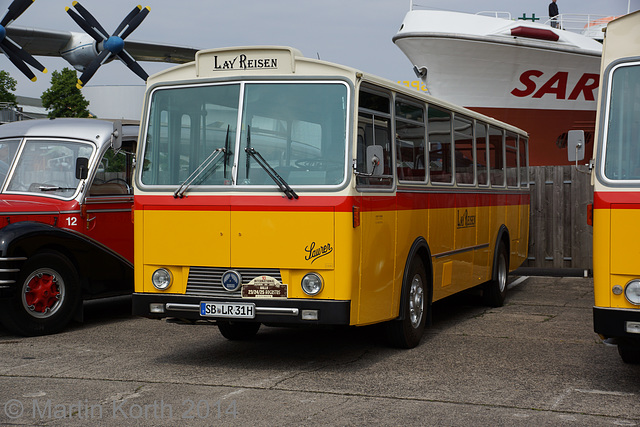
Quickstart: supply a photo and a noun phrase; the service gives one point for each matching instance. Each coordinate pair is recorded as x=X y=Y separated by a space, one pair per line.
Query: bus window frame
x=363 y=183
x=425 y=155
x=506 y=159
x=242 y=81
x=451 y=113
x=471 y=122
x=605 y=104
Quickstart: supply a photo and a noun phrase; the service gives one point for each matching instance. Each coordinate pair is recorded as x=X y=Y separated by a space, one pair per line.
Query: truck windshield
x=48 y=167
x=8 y=149
x=300 y=128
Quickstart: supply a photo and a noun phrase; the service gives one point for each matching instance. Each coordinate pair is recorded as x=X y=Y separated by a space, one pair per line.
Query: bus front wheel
x=238 y=331
x=629 y=352
x=407 y=331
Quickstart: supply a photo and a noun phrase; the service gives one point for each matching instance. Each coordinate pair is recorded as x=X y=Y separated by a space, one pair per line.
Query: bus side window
x=496 y=156
x=374 y=128
x=482 y=163
x=511 y=150
x=464 y=154
x=440 y=156
x=410 y=142
x=524 y=165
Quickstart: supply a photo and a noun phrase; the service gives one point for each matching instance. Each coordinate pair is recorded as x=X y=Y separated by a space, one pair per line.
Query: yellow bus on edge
x=616 y=199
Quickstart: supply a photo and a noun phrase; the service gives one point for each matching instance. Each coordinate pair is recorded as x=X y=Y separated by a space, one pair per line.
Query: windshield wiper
x=179 y=193
x=282 y=184
x=55 y=188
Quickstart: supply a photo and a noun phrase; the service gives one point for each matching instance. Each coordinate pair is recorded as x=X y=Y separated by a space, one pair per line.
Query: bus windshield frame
x=304 y=139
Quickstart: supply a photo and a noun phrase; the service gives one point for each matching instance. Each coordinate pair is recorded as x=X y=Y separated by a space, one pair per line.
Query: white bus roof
x=273 y=61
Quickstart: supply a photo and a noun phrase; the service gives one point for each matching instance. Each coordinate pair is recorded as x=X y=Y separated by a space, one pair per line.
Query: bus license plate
x=226 y=309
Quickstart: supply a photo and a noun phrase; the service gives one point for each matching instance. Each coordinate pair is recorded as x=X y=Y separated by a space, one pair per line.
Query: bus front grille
x=207 y=281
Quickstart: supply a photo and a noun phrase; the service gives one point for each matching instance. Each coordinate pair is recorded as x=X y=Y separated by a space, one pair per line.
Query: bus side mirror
x=375 y=160
x=82 y=168
x=575 y=145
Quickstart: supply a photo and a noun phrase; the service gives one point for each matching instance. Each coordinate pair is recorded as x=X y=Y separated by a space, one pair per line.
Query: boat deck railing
x=585 y=24
x=495 y=14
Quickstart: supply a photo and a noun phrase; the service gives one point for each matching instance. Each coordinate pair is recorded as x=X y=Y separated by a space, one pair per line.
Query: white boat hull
x=544 y=88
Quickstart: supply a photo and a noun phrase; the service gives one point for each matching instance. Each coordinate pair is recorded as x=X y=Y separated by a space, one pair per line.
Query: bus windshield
x=298 y=128
x=622 y=156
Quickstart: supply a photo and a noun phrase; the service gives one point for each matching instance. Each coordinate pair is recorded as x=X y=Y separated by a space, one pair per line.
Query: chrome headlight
x=632 y=292
x=161 y=279
x=312 y=284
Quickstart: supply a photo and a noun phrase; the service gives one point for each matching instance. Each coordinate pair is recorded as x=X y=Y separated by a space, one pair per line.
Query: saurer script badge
x=314 y=253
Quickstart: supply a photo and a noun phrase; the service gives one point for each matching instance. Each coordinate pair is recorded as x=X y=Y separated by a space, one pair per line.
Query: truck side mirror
x=82 y=168
x=575 y=145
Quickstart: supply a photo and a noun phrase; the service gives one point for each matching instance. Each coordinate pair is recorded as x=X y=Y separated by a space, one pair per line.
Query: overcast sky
x=351 y=32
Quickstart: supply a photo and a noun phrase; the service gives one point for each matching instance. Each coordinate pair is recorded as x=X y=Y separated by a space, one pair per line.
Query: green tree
x=7 y=87
x=63 y=98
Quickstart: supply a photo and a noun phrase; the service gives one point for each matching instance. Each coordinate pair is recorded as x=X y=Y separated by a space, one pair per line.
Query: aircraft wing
x=40 y=42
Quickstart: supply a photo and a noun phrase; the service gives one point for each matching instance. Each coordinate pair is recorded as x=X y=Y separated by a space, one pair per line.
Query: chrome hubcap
x=416 y=301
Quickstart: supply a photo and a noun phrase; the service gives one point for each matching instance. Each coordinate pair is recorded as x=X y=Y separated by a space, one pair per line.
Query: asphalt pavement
x=535 y=361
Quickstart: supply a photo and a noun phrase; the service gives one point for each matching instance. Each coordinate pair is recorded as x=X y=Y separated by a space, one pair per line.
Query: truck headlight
x=632 y=292
x=161 y=279
x=312 y=284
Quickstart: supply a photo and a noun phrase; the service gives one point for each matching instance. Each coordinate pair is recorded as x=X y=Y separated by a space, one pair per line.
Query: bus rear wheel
x=238 y=331
x=495 y=291
x=407 y=332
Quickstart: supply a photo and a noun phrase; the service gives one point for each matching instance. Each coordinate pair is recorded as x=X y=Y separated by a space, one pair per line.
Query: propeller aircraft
x=86 y=51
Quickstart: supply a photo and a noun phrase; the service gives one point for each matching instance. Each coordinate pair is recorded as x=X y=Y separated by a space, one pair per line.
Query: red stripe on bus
x=616 y=200
x=366 y=202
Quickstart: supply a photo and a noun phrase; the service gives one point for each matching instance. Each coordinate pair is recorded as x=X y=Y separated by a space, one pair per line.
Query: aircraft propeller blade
x=89 y=18
x=20 y=65
x=9 y=45
x=135 y=22
x=132 y=64
x=93 y=32
x=92 y=68
x=127 y=19
x=109 y=46
x=16 y=54
x=16 y=8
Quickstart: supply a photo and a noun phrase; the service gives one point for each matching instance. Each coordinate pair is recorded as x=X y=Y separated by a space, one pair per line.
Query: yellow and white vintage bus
x=273 y=188
x=616 y=179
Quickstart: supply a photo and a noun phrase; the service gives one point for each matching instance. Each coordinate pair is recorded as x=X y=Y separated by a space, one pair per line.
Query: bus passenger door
x=378 y=219
x=377 y=260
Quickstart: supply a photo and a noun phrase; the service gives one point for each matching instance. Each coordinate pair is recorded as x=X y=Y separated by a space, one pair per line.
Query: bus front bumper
x=617 y=322
x=274 y=311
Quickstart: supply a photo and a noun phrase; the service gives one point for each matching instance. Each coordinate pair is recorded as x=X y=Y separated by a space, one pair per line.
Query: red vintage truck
x=66 y=232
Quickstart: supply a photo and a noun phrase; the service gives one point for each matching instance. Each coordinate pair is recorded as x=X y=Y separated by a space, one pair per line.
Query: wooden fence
x=559 y=236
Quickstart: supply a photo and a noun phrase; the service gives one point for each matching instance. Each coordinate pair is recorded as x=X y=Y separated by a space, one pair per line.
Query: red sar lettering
x=557 y=85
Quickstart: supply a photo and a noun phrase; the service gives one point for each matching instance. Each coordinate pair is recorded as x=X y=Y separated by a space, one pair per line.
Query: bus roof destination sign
x=210 y=62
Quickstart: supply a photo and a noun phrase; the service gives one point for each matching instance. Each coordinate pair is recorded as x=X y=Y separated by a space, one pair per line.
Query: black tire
x=495 y=291
x=46 y=298
x=408 y=331
x=629 y=352
x=238 y=331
